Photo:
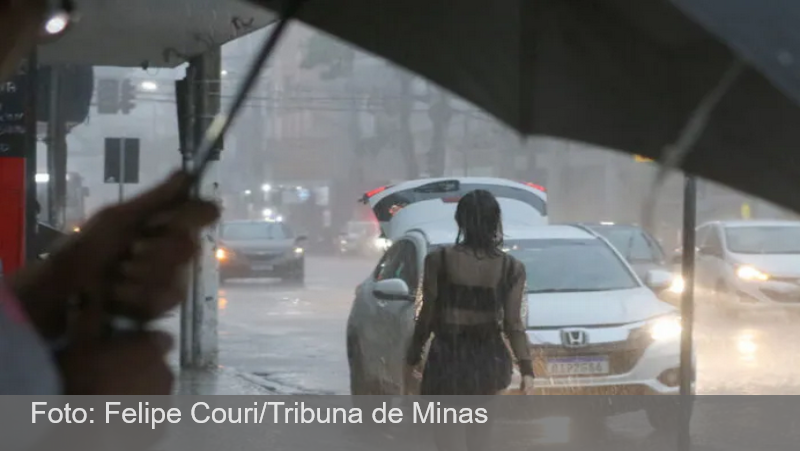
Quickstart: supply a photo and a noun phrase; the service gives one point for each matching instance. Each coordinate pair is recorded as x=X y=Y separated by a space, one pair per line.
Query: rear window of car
x=387 y=206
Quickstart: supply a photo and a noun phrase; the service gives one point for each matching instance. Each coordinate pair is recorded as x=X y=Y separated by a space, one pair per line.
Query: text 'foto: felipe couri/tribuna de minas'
x=275 y=412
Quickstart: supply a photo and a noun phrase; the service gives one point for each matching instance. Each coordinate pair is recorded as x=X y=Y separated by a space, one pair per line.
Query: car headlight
x=750 y=273
x=222 y=254
x=678 y=285
x=298 y=251
x=666 y=328
x=382 y=243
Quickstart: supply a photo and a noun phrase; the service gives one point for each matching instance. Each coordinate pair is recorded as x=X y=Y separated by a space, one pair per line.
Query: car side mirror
x=301 y=239
x=392 y=290
x=658 y=279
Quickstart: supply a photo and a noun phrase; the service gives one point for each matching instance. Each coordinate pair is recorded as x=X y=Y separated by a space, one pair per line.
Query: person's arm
x=513 y=321
x=423 y=327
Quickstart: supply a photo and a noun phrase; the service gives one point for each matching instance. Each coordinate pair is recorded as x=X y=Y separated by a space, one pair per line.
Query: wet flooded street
x=293 y=337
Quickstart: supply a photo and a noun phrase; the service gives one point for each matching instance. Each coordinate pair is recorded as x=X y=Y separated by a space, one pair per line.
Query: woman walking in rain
x=473 y=294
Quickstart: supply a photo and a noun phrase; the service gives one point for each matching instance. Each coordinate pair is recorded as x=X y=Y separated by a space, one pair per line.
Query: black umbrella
x=622 y=74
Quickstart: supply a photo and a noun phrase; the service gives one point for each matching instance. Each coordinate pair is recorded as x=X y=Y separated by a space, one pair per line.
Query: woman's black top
x=469 y=295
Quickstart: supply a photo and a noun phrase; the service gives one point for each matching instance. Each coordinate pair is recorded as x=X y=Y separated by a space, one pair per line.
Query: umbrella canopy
x=621 y=74
x=152 y=33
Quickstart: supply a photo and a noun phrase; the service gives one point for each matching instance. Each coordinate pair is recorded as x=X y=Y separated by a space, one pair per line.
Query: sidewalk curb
x=275 y=388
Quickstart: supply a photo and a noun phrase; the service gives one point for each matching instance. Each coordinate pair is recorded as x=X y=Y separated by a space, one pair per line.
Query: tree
x=337 y=60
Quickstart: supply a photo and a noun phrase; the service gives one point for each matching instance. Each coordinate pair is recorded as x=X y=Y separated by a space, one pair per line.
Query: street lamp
x=266 y=187
x=56 y=24
x=247 y=192
x=149 y=86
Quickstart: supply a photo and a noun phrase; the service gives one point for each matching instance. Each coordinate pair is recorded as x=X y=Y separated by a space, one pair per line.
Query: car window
x=400 y=262
x=253 y=231
x=655 y=247
x=640 y=249
x=572 y=266
x=631 y=243
x=763 y=239
x=386 y=263
x=287 y=232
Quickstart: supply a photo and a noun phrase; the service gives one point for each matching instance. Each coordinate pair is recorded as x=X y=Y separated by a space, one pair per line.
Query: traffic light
x=128 y=97
x=107 y=96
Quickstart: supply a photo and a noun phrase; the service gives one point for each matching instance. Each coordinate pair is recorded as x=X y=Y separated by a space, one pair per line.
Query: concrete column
x=184 y=93
x=205 y=347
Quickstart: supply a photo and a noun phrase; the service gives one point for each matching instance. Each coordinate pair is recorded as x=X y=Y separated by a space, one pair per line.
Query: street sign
x=13 y=124
x=123 y=167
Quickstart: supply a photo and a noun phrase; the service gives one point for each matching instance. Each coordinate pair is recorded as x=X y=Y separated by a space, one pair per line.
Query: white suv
x=593 y=325
x=750 y=265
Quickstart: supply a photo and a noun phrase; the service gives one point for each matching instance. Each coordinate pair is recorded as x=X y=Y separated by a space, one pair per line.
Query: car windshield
x=763 y=239
x=631 y=243
x=254 y=231
x=571 y=266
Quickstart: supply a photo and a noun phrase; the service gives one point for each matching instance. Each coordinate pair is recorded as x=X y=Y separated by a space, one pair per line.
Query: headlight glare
x=383 y=243
x=221 y=254
x=678 y=285
x=666 y=328
x=750 y=273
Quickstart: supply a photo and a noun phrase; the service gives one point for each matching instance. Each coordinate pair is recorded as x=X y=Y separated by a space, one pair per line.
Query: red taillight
x=375 y=191
x=535 y=186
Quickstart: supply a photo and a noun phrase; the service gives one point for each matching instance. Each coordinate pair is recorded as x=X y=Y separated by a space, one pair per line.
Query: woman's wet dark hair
x=480 y=226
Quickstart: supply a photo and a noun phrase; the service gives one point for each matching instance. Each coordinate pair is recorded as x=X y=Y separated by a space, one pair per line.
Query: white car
x=750 y=265
x=593 y=325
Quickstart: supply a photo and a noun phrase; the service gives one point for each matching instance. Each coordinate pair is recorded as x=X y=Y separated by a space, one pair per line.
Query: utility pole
x=207 y=69
x=31 y=203
x=52 y=146
x=184 y=91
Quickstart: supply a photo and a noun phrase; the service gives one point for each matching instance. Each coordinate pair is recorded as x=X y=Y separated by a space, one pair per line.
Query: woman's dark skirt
x=466 y=364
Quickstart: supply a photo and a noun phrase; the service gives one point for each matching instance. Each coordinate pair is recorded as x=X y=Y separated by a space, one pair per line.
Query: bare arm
x=513 y=321
x=424 y=324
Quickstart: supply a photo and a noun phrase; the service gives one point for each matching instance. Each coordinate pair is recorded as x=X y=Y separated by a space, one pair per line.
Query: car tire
x=665 y=417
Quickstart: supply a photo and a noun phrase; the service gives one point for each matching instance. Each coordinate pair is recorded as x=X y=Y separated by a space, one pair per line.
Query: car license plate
x=262 y=268
x=578 y=366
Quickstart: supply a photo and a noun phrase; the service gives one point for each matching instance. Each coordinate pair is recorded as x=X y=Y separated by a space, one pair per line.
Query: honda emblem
x=574 y=338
